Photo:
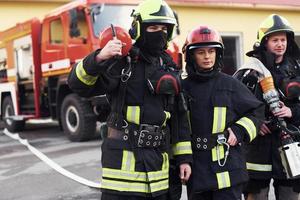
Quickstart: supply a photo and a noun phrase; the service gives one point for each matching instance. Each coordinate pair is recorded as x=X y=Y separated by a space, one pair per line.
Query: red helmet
x=202 y=36
x=120 y=33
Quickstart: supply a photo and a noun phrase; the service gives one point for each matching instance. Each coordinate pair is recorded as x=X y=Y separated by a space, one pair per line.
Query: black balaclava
x=153 y=43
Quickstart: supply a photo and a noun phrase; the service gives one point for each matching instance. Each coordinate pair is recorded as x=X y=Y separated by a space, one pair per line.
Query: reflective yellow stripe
x=165 y=165
x=214 y=153
x=218 y=126
x=223 y=180
x=128 y=161
x=249 y=126
x=259 y=167
x=181 y=148
x=219 y=119
x=168 y=116
x=133 y=114
x=125 y=186
x=135 y=176
x=83 y=76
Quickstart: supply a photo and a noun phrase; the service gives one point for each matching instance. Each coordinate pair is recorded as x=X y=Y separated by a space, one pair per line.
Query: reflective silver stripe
x=125 y=186
x=181 y=148
x=259 y=167
x=133 y=114
x=83 y=76
x=128 y=161
x=223 y=180
x=135 y=176
x=249 y=126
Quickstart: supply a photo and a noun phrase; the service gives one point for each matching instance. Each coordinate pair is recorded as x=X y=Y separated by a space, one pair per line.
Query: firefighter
x=223 y=115
x=276 y=52
x=147 y=107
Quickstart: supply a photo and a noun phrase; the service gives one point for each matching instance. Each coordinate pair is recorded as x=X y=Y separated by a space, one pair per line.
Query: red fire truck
x=36 y=57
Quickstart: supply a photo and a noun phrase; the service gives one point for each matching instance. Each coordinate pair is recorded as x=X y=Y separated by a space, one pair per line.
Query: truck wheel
x=77 y=118
x=8 y=110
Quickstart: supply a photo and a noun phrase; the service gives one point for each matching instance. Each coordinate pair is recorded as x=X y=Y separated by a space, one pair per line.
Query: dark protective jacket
x=128 y=169
x=216 y=104
x=263 y=158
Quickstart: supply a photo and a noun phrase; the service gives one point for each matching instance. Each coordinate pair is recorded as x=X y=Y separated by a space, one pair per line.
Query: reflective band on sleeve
x=128 y=161
x=259 y=167
x=125 y=186
x=83 y=76
x=218 y=126
x=223 y=180
x=181 y=148
x=249 y=126
x=168 y=116
x=133 y=114
x=219 y=119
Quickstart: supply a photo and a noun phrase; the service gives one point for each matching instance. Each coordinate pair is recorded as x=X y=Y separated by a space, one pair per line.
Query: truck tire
x=8 y=110
x=77 y=118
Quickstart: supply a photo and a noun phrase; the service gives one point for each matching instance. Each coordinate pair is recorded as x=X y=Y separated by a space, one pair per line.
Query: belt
x=208 y=143
x=143 y=135
x=116 y=134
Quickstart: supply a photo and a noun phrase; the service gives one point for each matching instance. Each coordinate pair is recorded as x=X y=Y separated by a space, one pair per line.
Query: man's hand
x=232 y=140
x=185 y=172
x=283 y=111
x=111 y=49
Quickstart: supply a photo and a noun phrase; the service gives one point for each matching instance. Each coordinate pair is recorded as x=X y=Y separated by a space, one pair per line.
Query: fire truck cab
x=36 y=57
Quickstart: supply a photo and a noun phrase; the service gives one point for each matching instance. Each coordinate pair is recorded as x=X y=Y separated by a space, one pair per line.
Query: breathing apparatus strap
x=115 y=118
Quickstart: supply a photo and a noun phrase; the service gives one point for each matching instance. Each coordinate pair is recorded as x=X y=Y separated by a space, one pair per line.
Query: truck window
x=78 y=24
x=56 y=32
x=103 y=15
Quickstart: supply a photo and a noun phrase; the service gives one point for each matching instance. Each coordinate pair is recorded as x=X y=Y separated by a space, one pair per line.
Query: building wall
x=13 y=12
x=228 y=21
x=241 y=19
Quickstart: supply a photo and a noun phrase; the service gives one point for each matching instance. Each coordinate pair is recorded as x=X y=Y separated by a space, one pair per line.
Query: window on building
x=232 y=53
x=56 y=32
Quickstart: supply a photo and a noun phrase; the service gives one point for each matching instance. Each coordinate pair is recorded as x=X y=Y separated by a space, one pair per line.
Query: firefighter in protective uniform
x=224 y=115
x=277 y=52
x=147 y=107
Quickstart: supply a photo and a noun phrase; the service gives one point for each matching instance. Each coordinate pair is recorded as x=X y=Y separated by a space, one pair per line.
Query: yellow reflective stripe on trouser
x=128 y=161
x=218 y=126
x=181 y=148
x=259 y=167
x=83 y=76
x=135 y=176
x=249 y=126
x=128 y=166
x=135 y=187
x=223 y=180
x=168 y=116
x=133 y=114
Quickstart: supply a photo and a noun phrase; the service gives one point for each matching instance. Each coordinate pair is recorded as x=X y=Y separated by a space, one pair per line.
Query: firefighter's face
x=156 y=28
x=205 y=57
x=277 y=44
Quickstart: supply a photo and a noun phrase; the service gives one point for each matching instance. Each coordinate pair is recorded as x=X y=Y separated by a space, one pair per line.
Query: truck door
x=54 y=45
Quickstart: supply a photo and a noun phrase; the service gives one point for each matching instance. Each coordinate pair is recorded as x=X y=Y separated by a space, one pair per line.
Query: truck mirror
x=74 y=30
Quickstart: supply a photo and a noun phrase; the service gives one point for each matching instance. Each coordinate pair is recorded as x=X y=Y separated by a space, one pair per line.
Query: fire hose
x=50 y=162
